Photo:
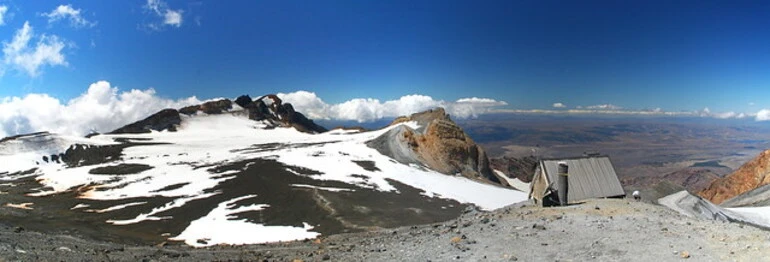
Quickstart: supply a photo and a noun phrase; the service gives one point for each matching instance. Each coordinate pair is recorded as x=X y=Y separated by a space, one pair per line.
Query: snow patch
x=79 y=206
x=754 y=215
x=331 y=189
x=113 y=208
x=20 y=206
x=221 y=227
x=170 y=205
x=514 y=182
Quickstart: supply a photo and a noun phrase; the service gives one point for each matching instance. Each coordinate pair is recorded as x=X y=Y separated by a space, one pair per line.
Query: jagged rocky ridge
x=267 y=107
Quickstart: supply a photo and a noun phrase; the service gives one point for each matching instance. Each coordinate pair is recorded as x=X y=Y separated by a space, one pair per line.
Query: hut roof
x=589 y=177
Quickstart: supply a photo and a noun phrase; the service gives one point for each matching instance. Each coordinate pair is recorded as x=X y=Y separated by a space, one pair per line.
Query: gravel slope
x=598 y=230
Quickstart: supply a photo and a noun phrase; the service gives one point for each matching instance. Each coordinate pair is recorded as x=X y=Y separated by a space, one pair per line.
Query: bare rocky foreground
x=598 y=230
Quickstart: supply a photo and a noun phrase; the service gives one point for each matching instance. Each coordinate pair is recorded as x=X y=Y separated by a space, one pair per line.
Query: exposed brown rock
x=751 y=175
x=216 y=107
x=439 y=144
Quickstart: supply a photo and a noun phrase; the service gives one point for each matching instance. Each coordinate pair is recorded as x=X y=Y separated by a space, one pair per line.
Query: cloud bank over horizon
x=370 y=109
x=101 y=109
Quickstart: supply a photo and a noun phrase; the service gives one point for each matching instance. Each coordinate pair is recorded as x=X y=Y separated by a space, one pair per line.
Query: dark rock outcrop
x=166 y=119
x=244 y=101
x=211 y=107
x=522 y=168
x=272 y=108
x=84 y=155
x=438 y=143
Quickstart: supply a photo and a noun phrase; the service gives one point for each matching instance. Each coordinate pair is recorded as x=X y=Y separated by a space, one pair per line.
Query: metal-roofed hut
x=588 y=177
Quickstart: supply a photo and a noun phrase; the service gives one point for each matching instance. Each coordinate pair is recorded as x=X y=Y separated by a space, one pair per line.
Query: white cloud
x=763 y=115
x=476 y=100
x=307 y=103
x=559 y=105
x=706 y=112
x=471 y=107
x=68 y=12
x=19 y=54
x=102 y=108
x=173 y=18
x=604 y=107
x=609 y=109
x=369 y=109
x=725 y=115
x=169 y=17
x=3 y=11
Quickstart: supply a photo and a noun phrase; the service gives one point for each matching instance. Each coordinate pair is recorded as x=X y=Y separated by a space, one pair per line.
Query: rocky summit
x=272 y=108
x=437 y=143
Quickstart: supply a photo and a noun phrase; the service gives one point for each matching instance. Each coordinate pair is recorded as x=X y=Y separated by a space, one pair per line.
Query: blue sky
x=672 y=55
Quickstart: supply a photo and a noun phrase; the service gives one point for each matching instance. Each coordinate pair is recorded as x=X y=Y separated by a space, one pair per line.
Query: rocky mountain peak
x=424 y=118
x=751 y=175
x=268 y=108
x=439 y=143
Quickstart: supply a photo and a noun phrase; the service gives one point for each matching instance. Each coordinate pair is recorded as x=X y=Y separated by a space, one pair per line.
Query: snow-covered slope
x=157 y=176
x=24 y=152
x=696 y=206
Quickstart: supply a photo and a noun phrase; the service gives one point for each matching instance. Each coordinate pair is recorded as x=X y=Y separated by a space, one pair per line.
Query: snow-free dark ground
x=598 y=230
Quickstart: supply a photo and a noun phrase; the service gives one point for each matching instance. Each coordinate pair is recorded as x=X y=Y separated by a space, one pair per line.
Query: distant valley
x=690 y=152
